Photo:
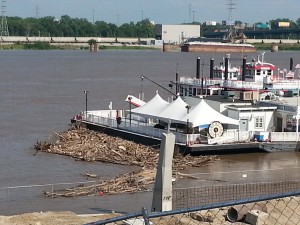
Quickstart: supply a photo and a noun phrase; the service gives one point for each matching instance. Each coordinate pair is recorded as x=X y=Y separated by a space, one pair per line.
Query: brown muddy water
x=41 y=90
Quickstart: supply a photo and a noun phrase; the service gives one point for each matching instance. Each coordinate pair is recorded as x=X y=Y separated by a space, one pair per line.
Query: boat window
x=269 y=72
x=259 y=122
x=190 y=92
x=198 y=91
x=194 y=91
x=235 y=74
x=258 y=72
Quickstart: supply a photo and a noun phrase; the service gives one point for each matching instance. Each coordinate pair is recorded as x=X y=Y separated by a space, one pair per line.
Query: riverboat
x=199 y=46
x=256 y=75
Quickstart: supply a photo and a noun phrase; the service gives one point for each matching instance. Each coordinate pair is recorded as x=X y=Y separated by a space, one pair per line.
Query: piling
x=274 y=48
x=94 y=47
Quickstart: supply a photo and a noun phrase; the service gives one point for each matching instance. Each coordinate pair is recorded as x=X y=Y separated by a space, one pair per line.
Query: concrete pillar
x=162 y=195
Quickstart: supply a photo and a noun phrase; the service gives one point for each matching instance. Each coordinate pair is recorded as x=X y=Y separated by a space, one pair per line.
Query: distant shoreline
x=49 y=46
x=110 y=46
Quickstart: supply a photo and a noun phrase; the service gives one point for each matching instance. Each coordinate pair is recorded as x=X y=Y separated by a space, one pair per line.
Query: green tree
x=145 y=28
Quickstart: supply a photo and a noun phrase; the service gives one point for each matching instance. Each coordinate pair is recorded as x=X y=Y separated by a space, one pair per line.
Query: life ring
x=272 y=78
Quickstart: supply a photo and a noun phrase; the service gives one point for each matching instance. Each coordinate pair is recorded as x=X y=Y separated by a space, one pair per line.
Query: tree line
x=80 y=27
x=76 y=27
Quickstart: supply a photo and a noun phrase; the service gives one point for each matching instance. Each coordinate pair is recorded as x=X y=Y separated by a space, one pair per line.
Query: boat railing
x=283 y=85
x=140 y=127
x=189 y=81
x=148 y=129
x=233 y=136
x=280 y=106
x=242 y=84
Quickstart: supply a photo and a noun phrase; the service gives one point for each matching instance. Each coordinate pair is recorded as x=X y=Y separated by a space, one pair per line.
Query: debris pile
x=83 y=144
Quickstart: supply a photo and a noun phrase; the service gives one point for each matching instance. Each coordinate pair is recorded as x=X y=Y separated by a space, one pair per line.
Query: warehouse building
x=176 y=34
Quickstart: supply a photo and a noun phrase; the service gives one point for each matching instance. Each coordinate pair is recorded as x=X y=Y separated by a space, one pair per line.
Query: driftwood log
x=83 y=144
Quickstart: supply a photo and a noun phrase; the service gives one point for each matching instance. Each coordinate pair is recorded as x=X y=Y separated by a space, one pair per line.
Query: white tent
x=203 y=114
x=152 y=108
x=199 y=115
x=174 y=111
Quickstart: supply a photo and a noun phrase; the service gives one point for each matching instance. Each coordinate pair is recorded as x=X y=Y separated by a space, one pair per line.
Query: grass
x=48 y=46
x=126 y=47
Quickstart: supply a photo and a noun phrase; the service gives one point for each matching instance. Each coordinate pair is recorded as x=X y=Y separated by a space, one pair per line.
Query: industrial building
x=176 y=34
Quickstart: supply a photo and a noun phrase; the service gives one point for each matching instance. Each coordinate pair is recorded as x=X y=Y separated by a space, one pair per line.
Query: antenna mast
x=230 y=18
x=37 y=10
x=190 y=11
x=4 y=27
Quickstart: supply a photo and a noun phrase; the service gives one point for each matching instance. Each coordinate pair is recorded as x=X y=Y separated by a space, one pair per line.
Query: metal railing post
x=145 y=216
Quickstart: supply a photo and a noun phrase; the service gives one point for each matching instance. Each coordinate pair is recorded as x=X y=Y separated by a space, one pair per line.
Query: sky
x=158 y=11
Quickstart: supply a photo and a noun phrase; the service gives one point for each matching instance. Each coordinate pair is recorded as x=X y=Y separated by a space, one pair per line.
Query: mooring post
x=162 y=195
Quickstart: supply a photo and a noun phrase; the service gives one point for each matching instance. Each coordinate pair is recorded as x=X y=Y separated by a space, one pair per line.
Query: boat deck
x=204 y=149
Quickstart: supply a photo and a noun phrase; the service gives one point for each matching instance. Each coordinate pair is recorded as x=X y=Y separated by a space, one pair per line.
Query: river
x=41 y=90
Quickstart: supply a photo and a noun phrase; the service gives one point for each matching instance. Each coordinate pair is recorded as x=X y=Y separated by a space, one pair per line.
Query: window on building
x=258 y=72
x=259 y=122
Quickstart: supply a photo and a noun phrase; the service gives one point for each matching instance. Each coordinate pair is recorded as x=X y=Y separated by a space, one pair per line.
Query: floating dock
x=203 y=149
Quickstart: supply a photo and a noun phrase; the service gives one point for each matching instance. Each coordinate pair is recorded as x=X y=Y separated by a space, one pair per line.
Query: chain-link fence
x=267 y=209
x=21 y=193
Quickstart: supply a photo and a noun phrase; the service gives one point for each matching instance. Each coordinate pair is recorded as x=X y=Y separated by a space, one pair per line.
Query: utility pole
x=142 y=15
x=37 y=10
x=193 y=16
x=93 y=16
x=4 y=27
x=190 y=10
x=230 y=18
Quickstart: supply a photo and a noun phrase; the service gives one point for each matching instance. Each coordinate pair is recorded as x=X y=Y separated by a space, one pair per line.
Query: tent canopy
x=174 y=111
x=200 y=115
x=152 y=108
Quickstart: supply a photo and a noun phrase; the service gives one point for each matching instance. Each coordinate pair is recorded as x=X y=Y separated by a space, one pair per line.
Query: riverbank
x=276 y=211
x=52 y=218
x=78 y=46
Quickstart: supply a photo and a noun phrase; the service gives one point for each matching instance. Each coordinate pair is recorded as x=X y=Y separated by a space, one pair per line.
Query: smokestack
x=291 y=64
x=198 y=68
x=244 y=69
x=176 y=86
x=226 y=67
x=211 y=71
x=226 y=70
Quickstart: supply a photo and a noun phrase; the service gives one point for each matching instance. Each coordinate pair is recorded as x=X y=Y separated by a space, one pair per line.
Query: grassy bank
x=127 y=47
x=48 y=46
x=30 y=46
x=281 y=46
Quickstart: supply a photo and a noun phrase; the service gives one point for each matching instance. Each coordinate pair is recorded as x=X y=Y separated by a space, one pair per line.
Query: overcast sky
x=159 y=11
